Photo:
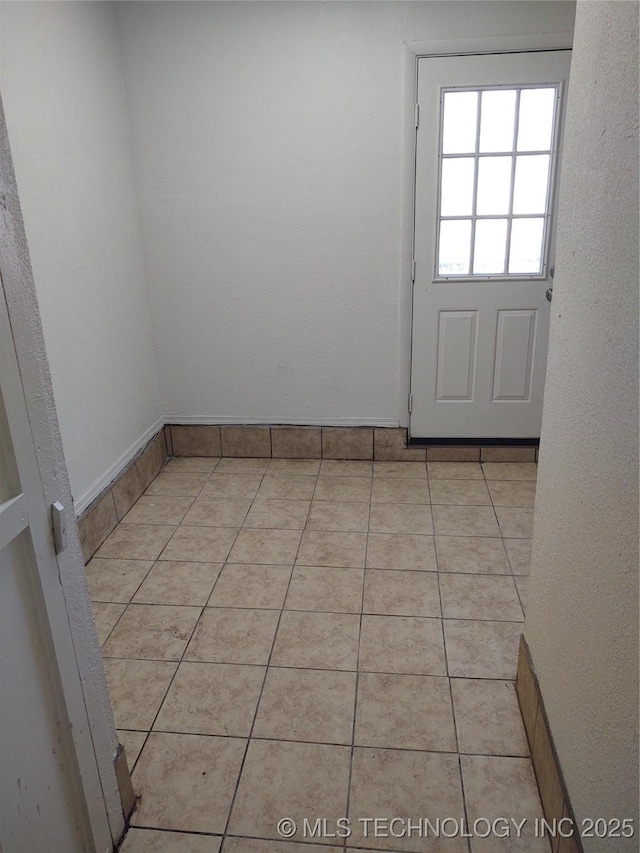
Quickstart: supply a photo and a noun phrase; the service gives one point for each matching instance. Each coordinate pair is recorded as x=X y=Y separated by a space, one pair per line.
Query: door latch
x=59 y=525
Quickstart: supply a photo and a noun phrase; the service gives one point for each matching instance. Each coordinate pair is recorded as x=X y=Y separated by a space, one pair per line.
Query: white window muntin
x=513 y=153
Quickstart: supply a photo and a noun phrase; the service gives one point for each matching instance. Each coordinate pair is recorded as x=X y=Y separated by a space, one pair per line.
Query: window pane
x=494 y=182
x=496 y=120
x=526 y=245
x=455 y=241
x=490 y=246
x=459 y=125
x=530 y=186
x=537 y=108
x=456 y=197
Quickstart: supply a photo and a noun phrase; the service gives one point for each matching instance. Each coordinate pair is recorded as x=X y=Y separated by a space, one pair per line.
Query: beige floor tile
x=480 y=555
x=233 y=636
x=212 y=699
x=401 y=551
x=460 y=492
x=218 y=512
x=404 y=712
x=389 y=491
x=127 y=489
x=191 y=465
x=157 y=841
x=301 y=467
x=158 y=509
x=516 y=522
x=465 y=521
x=347 y=443
x=508 y=454
x=454 y=471
x=285 y=515
x=401 y=593
x=488 y=717
x=231 y=465
x=482 y=649
x=346 y=468
x=287 y=487
x=277 y=547
x=281 y=779
x=231 y=485
x=499 y=786
x=200 y=544
x=96 y=524
x=343 y=489
x=390 y=443
x=180 y=485
x=322 y=548
x=191 y=440
x=317 y=640
x=512 y=492
x=115 y=580
x=255 y=586
x=328 y=589
x=259 y=845
x=307 y=705
x=152 y=632
x=492 y=597
x=105 y=617
x=400 y=518
x=384 y=784
x=402 y=644
x=171 y=582
x=136 y=689
x=522 y=585
x=245 y=441
x=132 y=743
x=339 y=516
x=186 y=781
x=510 y=470
x=136 y=541
x=400 y=470
x=296 y=442
x=519 y=553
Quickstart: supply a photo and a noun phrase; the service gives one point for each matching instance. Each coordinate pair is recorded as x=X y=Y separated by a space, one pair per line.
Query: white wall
x=582 y=622
x=65 y=106
x=270 y=164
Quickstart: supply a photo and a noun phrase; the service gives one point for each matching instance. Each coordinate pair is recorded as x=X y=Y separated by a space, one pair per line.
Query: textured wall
x=269 y=158
x=65 y=106
x=582 y=624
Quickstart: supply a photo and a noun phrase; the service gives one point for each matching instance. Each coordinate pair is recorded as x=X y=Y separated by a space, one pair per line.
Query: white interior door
x=43 y=794
x=487 y=164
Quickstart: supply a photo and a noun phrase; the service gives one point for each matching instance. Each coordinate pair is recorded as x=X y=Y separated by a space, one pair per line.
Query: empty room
x=319 y=426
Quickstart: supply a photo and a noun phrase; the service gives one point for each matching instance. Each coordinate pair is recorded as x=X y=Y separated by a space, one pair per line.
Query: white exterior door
x=487 y=163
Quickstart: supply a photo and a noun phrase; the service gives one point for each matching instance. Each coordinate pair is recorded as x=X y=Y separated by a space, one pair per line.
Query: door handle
x=549 y=293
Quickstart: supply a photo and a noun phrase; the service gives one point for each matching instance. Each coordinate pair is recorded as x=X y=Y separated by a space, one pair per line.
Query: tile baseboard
x=115 y=501
x=313 y=442
x=556 y=804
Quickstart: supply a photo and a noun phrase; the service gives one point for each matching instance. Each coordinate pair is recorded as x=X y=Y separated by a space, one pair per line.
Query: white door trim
x=412 y=52
x=78 y=658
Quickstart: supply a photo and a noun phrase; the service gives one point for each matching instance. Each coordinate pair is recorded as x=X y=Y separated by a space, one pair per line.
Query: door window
x=496 y=167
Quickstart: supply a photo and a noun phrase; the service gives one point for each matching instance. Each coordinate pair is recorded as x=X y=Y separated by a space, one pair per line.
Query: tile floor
x=304 y=639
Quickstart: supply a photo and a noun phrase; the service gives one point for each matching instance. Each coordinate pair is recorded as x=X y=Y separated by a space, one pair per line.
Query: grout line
x=319 y=669
x=358 y=673
x=266 y=672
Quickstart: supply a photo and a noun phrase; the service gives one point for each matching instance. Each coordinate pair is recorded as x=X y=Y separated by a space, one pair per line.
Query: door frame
x=82 y=686
x=412 y=52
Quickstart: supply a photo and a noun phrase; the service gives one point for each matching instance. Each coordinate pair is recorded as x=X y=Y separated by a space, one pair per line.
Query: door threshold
x=473 y=442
